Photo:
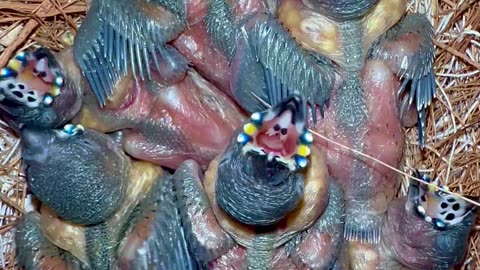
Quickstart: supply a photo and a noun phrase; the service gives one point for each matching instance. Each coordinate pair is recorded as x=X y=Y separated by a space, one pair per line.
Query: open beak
x=279 y=133
x=435 y=206
x=30 y=79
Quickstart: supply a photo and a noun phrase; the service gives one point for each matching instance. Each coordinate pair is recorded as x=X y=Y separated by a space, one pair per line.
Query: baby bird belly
x=382 y=138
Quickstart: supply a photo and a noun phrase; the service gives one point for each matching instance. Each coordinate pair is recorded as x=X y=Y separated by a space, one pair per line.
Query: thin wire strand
x=379 y=161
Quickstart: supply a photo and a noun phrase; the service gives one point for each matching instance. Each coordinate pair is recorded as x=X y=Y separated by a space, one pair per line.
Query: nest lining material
x=452 y=151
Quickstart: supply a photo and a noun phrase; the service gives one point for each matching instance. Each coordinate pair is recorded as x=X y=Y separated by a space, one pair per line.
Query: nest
x=452 y=151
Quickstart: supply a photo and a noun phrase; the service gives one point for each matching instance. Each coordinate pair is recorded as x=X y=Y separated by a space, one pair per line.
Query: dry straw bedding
x=452 y=151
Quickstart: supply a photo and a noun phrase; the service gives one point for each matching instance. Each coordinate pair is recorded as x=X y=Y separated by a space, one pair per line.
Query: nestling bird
x=364 y=58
